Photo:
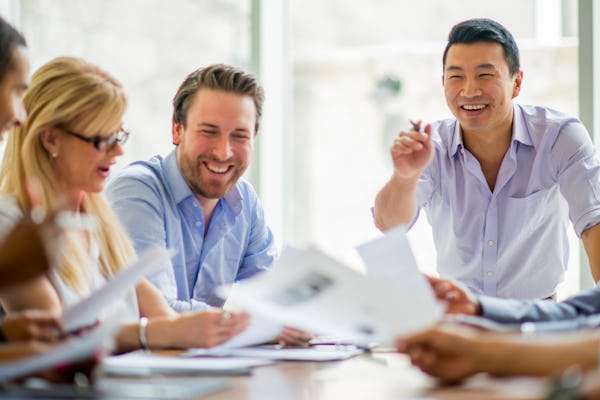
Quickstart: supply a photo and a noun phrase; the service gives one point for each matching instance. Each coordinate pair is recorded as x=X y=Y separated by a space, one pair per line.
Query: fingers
x=412 y=140
x=219 y=326
x=32 y=325
x=405 y=343
x=409 y=142
x=446 y=290
x=46 y=333
x=291 y=336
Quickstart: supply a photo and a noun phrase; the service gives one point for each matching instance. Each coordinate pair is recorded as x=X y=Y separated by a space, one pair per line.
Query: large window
x=149 y=45
x=352 y=74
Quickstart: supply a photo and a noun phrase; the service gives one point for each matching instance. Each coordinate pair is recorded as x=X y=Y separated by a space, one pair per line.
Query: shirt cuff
x=499 y=310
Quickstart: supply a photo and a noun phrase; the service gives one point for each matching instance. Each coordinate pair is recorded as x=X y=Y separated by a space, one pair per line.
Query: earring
x=54 y=155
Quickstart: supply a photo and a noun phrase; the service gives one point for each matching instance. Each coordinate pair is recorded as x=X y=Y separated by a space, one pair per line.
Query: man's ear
x=50 y=141
x=176 y=132
x=517 y=84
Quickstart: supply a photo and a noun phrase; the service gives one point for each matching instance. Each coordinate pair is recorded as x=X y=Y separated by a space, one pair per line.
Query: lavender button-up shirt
x=512 y=242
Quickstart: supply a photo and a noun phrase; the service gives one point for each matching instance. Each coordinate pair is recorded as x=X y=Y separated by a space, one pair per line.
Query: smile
x=473 y=107
x=216 y=169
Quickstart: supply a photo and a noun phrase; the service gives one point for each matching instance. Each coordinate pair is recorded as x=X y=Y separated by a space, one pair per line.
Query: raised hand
x=412 y=151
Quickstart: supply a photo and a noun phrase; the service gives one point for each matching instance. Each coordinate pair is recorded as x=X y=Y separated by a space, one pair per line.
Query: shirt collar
x=181 y=191
x=456 y=141
x=520 y=133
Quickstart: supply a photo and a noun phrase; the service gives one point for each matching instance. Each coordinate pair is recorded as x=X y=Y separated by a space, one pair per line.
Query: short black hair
x=485 y=30
x=10 y=39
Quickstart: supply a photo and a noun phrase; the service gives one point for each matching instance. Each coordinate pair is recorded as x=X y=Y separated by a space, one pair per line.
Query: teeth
x=217 y=170
x=474 y=107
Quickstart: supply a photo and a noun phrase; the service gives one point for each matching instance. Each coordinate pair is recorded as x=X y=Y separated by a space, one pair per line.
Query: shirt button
x=490 y=273
x=198 y=223
x=195 y=205
x=490 y=242
x=491 y=205
x=462 y=151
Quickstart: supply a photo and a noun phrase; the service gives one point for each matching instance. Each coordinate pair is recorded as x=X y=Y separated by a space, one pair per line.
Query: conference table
x=372 y=376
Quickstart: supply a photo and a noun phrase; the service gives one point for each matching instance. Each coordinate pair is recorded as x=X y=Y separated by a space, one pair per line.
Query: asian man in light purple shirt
x=500 y=181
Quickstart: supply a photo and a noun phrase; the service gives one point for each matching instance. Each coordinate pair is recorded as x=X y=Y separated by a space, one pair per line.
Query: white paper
x=73 y=349
x=87 y=311
x=390 y=258
x=315 y=353
x=309 y=290
x=144 y=363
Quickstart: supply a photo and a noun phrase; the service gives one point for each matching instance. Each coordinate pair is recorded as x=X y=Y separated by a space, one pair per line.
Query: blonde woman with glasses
x=72 y=138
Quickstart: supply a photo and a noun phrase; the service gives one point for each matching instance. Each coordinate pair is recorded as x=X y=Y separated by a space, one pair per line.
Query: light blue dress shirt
x=157 y=207
x=512 y=242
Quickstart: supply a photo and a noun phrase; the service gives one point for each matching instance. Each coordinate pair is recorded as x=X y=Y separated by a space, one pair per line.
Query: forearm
x=151 y=301
x=511 y=311
x=550 y=357
x=591 y=244
x=16 y=351
x=37 y=294
x=395 y=203
x=158 y=335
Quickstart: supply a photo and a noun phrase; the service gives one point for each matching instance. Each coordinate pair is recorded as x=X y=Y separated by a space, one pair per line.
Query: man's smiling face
x=478 y=86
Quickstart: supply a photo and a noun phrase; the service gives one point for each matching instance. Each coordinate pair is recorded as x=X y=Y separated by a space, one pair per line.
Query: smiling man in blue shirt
x=194 y=199
x=500 y=181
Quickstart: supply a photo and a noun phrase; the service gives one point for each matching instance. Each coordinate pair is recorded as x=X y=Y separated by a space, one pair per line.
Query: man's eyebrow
x=487 y=66
x=206 y=125
x=453 y=68
x=480 y=66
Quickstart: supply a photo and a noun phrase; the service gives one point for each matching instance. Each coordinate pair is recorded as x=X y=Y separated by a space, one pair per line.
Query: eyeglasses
x=102 y=143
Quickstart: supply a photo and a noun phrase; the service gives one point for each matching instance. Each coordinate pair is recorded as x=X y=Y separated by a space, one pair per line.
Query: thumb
x=427 y=130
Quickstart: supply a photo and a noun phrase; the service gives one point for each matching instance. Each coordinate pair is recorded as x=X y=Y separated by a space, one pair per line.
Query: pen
x=415 y=125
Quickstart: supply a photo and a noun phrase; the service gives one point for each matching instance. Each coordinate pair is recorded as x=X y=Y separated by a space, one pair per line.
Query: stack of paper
x=275 y=352
x=144 y=363
x=309 y=290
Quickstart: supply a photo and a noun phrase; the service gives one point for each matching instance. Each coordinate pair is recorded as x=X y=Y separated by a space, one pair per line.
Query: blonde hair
x=72 y=94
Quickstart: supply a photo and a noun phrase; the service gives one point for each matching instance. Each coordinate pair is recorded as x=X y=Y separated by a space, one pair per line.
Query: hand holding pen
x=412 y=151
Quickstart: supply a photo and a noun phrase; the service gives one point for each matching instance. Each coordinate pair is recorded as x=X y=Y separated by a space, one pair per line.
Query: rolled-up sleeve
x=578 y=173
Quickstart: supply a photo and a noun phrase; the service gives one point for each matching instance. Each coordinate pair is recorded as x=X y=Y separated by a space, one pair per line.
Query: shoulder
x=248 y=194
x=547 y=124
x=135 y=175
x=564 y=138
